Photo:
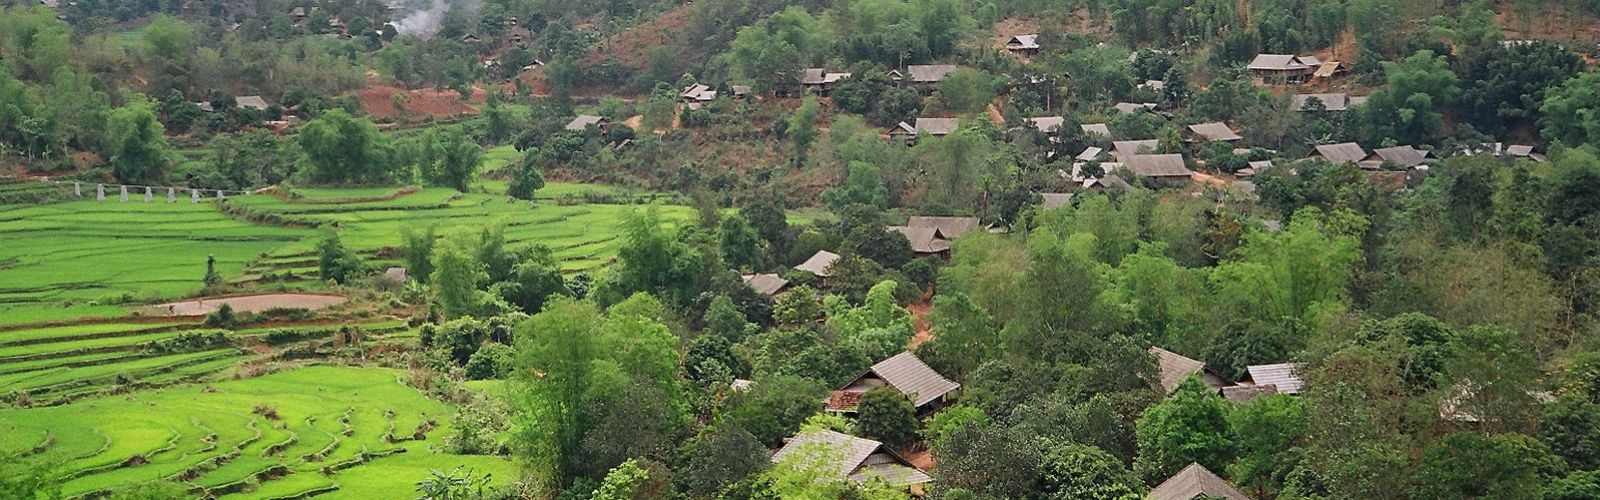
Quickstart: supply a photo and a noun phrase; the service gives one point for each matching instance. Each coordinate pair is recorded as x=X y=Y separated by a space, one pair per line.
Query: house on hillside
x=1023 y=45
x=1344 y=152
x=1174 y=368
x=251 y=101
x=846 y=457
x=1195 y=481
x=1091 y=153
x=924 y=240
x=1245 y=393
x=1405 y=156
x=903 y=372
x=1048 y=124
x=819 y=80
x=1127 y=149
x=923 y=76
x=1213 y=132
x=1277 y=69
x=1285 y=377
x=1055 y=200
x=948 y=228
x=697 y=94
x=766 y=283
x=1099 y=129
x=1330 y=101
x=1132 y=107
x=819 y=264
x=1253 y=168
x=583 y=122
x=937 y=127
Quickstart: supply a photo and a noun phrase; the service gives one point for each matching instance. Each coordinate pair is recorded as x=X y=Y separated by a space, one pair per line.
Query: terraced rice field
x=65 y=362
x=582 y=237
x=339 y=432
x=111 y=252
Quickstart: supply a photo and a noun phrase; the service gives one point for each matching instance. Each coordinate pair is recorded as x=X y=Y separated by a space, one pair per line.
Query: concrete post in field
x=148 y=196
x=100 y=193
x=77 y=189
x=124 y=194
x=194 y=196
x=172 y=195
x=220 y=195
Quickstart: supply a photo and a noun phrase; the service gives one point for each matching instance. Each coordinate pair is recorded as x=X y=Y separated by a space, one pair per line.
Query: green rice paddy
x=348 y=431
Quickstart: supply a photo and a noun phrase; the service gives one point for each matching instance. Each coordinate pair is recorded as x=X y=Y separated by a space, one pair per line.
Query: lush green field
x=581 y=236
x=111 y=252
x=329 y=427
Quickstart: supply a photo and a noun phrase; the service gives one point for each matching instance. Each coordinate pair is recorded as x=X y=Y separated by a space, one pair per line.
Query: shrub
x=223 y=317
x=493 y=360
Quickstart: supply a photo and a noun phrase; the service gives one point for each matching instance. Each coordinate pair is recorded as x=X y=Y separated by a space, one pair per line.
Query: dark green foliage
x=1504 y=85
x=719 y=457
x=1072 y=471
x=994 y=460
x=774 y=407
x=534 y=279
x=1571 y=428
x=886 y=415
x=710 y=358
x=1426 y=342
x=1189 y=426
x=341 y=149
x=1468 y=465
x=491 y=360
x=418 y=249
x=223 y=317
x=212 y=278
x=335 y=263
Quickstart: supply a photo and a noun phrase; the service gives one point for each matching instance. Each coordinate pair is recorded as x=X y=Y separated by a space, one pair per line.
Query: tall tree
x=138 y=143
x=1189 y=426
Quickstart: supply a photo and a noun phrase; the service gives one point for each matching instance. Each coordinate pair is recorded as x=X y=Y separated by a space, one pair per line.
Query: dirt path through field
x=248 y=303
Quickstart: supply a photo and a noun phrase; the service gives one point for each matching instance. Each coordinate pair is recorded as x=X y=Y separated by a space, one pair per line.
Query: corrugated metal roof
x=818 y=263
x=1195 y=481
x=1096 y=128
x=914 y=378
x=1282 y=375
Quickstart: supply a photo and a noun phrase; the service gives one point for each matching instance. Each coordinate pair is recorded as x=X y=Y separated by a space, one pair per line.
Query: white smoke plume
x=425 y=22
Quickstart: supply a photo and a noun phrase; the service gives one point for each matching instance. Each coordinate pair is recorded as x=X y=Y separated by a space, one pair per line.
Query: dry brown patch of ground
x=248 y=303
x=378 y=101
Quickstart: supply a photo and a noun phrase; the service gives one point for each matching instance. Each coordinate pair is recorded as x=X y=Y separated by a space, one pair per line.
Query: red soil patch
x=631 y=47
x=919 y=312
x=378 y=101
x=248 y=303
